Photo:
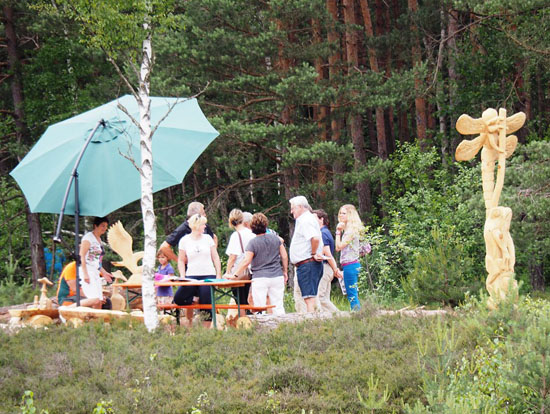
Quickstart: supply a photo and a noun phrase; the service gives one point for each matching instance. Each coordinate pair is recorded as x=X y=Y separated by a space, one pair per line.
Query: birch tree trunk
x=147 y=210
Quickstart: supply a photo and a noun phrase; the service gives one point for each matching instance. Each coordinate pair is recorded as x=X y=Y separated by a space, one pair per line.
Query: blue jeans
x=309 y=275
x=351 y=275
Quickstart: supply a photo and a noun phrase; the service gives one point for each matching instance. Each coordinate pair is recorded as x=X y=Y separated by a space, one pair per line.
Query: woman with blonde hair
x=348 y=243
x=197 y=259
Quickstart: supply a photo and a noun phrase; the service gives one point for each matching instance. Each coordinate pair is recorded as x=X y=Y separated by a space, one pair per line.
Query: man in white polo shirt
x=306 y=249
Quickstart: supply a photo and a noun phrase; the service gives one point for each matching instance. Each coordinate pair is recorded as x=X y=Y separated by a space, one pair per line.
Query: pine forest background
x=343 y=101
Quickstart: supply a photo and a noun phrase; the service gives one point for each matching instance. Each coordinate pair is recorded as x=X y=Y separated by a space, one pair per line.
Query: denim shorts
x=309 y=275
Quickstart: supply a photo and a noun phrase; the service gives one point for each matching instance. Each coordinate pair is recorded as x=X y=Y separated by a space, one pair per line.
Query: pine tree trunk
x=371 y=127
x=419 y=101
x=320 y=111
x=382 y=146
x=336 y=121
x=536 y=275
x=451 y=47
x=540 y=97
x=38 y=264
x=147 y=207
x=169 y=212
x=283 y=66
x=196 y=186
x=440 y=92
x=355 y=121
x=403 y=120
x=523 y=87
x=390 y=129
x=402 y=134
x=390 y=112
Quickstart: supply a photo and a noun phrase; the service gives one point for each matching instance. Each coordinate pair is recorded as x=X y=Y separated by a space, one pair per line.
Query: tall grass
x=363 y=363
x=325 y=367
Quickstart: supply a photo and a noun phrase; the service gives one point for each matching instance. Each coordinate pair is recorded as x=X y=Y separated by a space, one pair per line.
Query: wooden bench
x=173 y=308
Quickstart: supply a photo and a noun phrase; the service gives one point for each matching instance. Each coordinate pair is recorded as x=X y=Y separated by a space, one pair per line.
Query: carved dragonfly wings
x=485 y=126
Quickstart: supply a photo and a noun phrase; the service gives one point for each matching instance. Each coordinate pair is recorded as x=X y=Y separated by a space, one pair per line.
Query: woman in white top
x=235 y=251
x=198 y=251
x=91 y=253
x=347 y=242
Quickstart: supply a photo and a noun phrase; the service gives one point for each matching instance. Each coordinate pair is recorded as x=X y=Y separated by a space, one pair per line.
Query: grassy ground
x=320 y=366
x=470 y=361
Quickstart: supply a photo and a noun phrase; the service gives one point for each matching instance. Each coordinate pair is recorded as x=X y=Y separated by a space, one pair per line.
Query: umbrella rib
x=168 y=112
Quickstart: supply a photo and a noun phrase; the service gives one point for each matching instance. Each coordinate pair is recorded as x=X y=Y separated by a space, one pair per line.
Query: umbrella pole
x=74 y=177
x=76 y=235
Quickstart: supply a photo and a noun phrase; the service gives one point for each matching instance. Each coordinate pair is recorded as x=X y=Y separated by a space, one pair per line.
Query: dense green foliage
x=275 y=79
x=434 y=226
x=423 y=197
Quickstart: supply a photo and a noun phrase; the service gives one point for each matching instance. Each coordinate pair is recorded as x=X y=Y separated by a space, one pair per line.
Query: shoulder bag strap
x=241 y=241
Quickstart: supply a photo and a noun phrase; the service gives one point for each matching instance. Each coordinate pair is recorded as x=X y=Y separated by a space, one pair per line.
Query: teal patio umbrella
x=87 y=164
x=107 y=176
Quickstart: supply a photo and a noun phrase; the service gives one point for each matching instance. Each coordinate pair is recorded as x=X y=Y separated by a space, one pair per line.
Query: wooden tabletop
x=220 y=284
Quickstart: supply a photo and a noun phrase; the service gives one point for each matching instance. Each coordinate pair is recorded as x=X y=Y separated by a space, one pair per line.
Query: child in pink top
x=164 y=271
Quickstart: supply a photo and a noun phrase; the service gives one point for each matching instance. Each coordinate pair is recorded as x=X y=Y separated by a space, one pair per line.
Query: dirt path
x=272 y=321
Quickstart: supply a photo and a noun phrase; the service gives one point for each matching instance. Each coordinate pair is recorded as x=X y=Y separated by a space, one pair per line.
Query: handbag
x=245 y=274
x=364 y=249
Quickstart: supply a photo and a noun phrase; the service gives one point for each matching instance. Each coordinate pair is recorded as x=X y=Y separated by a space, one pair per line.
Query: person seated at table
x=198 y=251
x=66 y=289
x=183 y=230
x=268 y=257
x=164 y=272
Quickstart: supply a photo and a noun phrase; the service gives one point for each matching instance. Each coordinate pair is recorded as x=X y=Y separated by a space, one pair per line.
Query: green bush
x=526 y=193
x=13 y=292
x=471 y=361
x=507 y=371
x=423 y=195
x=440 y=273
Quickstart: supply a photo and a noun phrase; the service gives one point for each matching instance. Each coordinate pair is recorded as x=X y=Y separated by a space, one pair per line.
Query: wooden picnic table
x=219 y=288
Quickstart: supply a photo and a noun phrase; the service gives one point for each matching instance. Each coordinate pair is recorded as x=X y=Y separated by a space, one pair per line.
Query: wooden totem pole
x=496 y=145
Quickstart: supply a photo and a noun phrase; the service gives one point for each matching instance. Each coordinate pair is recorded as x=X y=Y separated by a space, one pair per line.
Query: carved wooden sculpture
x=45 y=302
x=121 y=242
x=117 y=300
x=495 y=146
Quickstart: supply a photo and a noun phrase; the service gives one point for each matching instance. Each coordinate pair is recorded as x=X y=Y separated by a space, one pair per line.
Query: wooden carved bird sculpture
x=121 y=242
